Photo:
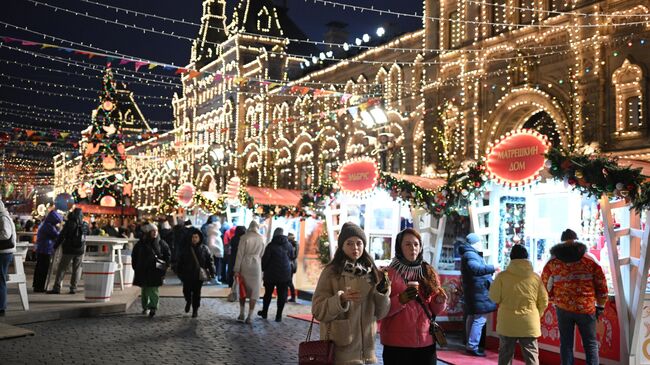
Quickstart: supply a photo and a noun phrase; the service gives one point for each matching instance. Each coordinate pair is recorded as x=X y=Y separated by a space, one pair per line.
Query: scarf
x=409 y=271
x=356 y=269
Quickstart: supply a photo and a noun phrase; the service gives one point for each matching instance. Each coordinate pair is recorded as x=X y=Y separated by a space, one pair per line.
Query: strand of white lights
x=322 y=43
x=38 y=91
x=81 y=64
x=46 y=119
x=23 y=125
x=30 y=114
x=121 y=78
x=145 y=30
x=473 y=22
x=558 y=12
x=73 y=87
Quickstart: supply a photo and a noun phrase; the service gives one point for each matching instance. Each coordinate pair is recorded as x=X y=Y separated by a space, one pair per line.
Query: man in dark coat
x=294 y=264
x=150 y=258
x=476 y=277
x=195 y=252
x=72 y=240
x=276 y=265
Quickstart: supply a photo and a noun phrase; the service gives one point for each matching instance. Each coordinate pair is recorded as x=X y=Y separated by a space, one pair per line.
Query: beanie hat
x=278 y=232
x=146 y=228
x=568 y=235
x=350 y=229
x=518 y=252
x=473 y=238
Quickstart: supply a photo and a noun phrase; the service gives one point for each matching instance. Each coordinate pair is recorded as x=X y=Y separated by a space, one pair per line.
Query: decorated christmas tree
x=105 y=179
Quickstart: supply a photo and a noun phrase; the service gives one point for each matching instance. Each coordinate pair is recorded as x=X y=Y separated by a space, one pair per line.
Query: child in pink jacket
x=414 y=284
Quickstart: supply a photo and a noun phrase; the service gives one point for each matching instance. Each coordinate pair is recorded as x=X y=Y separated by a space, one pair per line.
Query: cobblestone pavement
x=172 y=337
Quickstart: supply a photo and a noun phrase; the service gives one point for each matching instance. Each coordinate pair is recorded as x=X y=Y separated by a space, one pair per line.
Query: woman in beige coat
x=248 y=266
x=351 y=295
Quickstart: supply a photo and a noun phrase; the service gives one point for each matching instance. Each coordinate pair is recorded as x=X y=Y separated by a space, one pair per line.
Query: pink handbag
x=315 y=352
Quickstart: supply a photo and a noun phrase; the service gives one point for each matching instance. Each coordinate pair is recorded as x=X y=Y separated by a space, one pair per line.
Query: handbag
x=203 y=274
x=316 y=352
x=234 y=290
x=435 y=330
x=242 y=287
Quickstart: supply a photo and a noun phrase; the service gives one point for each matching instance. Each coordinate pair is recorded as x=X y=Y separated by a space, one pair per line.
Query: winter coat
x=47 y=233
x=214 y=239
x=522 y=299
x=249 y=261
x=476 y=277
x=294 y=259
x=7 y=230
x=187 y=269
x=143 y=259
x=351 y=326
x=276 y=261
x=574 y=279
x=406 y=325
x=72 y=237
x=167 y=235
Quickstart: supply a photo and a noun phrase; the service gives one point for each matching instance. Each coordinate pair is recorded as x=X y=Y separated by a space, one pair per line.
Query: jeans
x=63 y=266
x=5 y=260
x=149 y=296
x=529 y=349
x=474 y=329
x=282 y=297
x=587 y=326
x=192 y=292
x=410 y=355
x=218 y=262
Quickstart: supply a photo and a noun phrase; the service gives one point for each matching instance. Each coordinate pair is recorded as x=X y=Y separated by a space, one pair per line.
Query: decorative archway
x=515 y=108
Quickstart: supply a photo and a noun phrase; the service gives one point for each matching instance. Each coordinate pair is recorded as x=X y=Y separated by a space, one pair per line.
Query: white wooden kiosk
x=19 y=276
x=114 y=254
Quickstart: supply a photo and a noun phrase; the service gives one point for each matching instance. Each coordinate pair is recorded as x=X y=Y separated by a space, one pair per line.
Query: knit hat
x=146 y=228
x=518 y=252
x=350 y=229
x=278 y=232
x=568 y=235
x=473 y=238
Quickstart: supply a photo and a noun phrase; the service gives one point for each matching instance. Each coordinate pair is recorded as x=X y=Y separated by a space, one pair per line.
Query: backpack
x=9 y=242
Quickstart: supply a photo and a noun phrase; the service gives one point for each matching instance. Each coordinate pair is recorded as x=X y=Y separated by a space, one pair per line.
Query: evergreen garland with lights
x=323 y=248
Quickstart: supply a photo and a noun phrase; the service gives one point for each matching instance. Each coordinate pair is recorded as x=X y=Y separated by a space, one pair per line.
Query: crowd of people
x=352 y=293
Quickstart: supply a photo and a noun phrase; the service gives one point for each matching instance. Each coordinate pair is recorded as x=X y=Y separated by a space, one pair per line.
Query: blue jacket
x=47 y=233
x=276 y=261
x=476 y=277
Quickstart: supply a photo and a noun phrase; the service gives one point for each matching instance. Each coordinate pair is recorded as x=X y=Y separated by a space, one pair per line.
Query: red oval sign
x=358 y=176
x=517 y=158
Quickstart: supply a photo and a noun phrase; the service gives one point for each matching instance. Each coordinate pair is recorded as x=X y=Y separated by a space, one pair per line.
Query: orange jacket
x=575 y=282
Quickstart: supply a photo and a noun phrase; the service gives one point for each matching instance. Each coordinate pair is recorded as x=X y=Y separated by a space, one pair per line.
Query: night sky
x=84 y=80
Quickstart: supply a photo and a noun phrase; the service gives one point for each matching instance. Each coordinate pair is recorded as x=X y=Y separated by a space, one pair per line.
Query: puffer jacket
x=522 y=299
x=352 y=326
x=47 y=233
x=406 y=325
x=276 y=261
x=574 y=280
x=476 y=277
x=187 y=269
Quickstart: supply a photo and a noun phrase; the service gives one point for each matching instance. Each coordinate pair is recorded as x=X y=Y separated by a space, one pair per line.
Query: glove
x=407 y=295
x=383 y=285
x=599 y=311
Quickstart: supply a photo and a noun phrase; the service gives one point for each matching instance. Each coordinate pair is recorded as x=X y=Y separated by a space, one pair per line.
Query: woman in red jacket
x=415 y=283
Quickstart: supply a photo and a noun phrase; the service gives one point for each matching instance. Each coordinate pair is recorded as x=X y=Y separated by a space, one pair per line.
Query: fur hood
x=569 y=252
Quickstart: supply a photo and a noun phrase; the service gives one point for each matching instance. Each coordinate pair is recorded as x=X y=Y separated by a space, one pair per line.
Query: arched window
x=628 y=84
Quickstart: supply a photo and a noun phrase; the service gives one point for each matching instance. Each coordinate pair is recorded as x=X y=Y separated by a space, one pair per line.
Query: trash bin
x=98 y=280
x=127 y=271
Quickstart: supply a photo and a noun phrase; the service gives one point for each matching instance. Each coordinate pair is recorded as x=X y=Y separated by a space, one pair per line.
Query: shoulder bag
x=434 y=328
x=316 y=352
x=203 y=275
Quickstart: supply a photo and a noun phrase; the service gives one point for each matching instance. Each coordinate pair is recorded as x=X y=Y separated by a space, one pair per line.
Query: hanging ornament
x=110 y=129
x=91 y=149
x=108 y=105
x=109 y=163
x=579 y=174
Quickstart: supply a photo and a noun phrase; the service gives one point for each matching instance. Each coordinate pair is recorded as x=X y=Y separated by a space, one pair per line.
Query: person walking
x=276 y=266
x=239 y=231
x=248 y=266
x=150 y=258
x=72 y=240
x=577 y=286
x=522 y=299
x=215 y=244
x=416 y=296
x=294 y=264
x=45 y=238
x=351 y=295
x=192 y=259
x=7 y=250
x=476 y=278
